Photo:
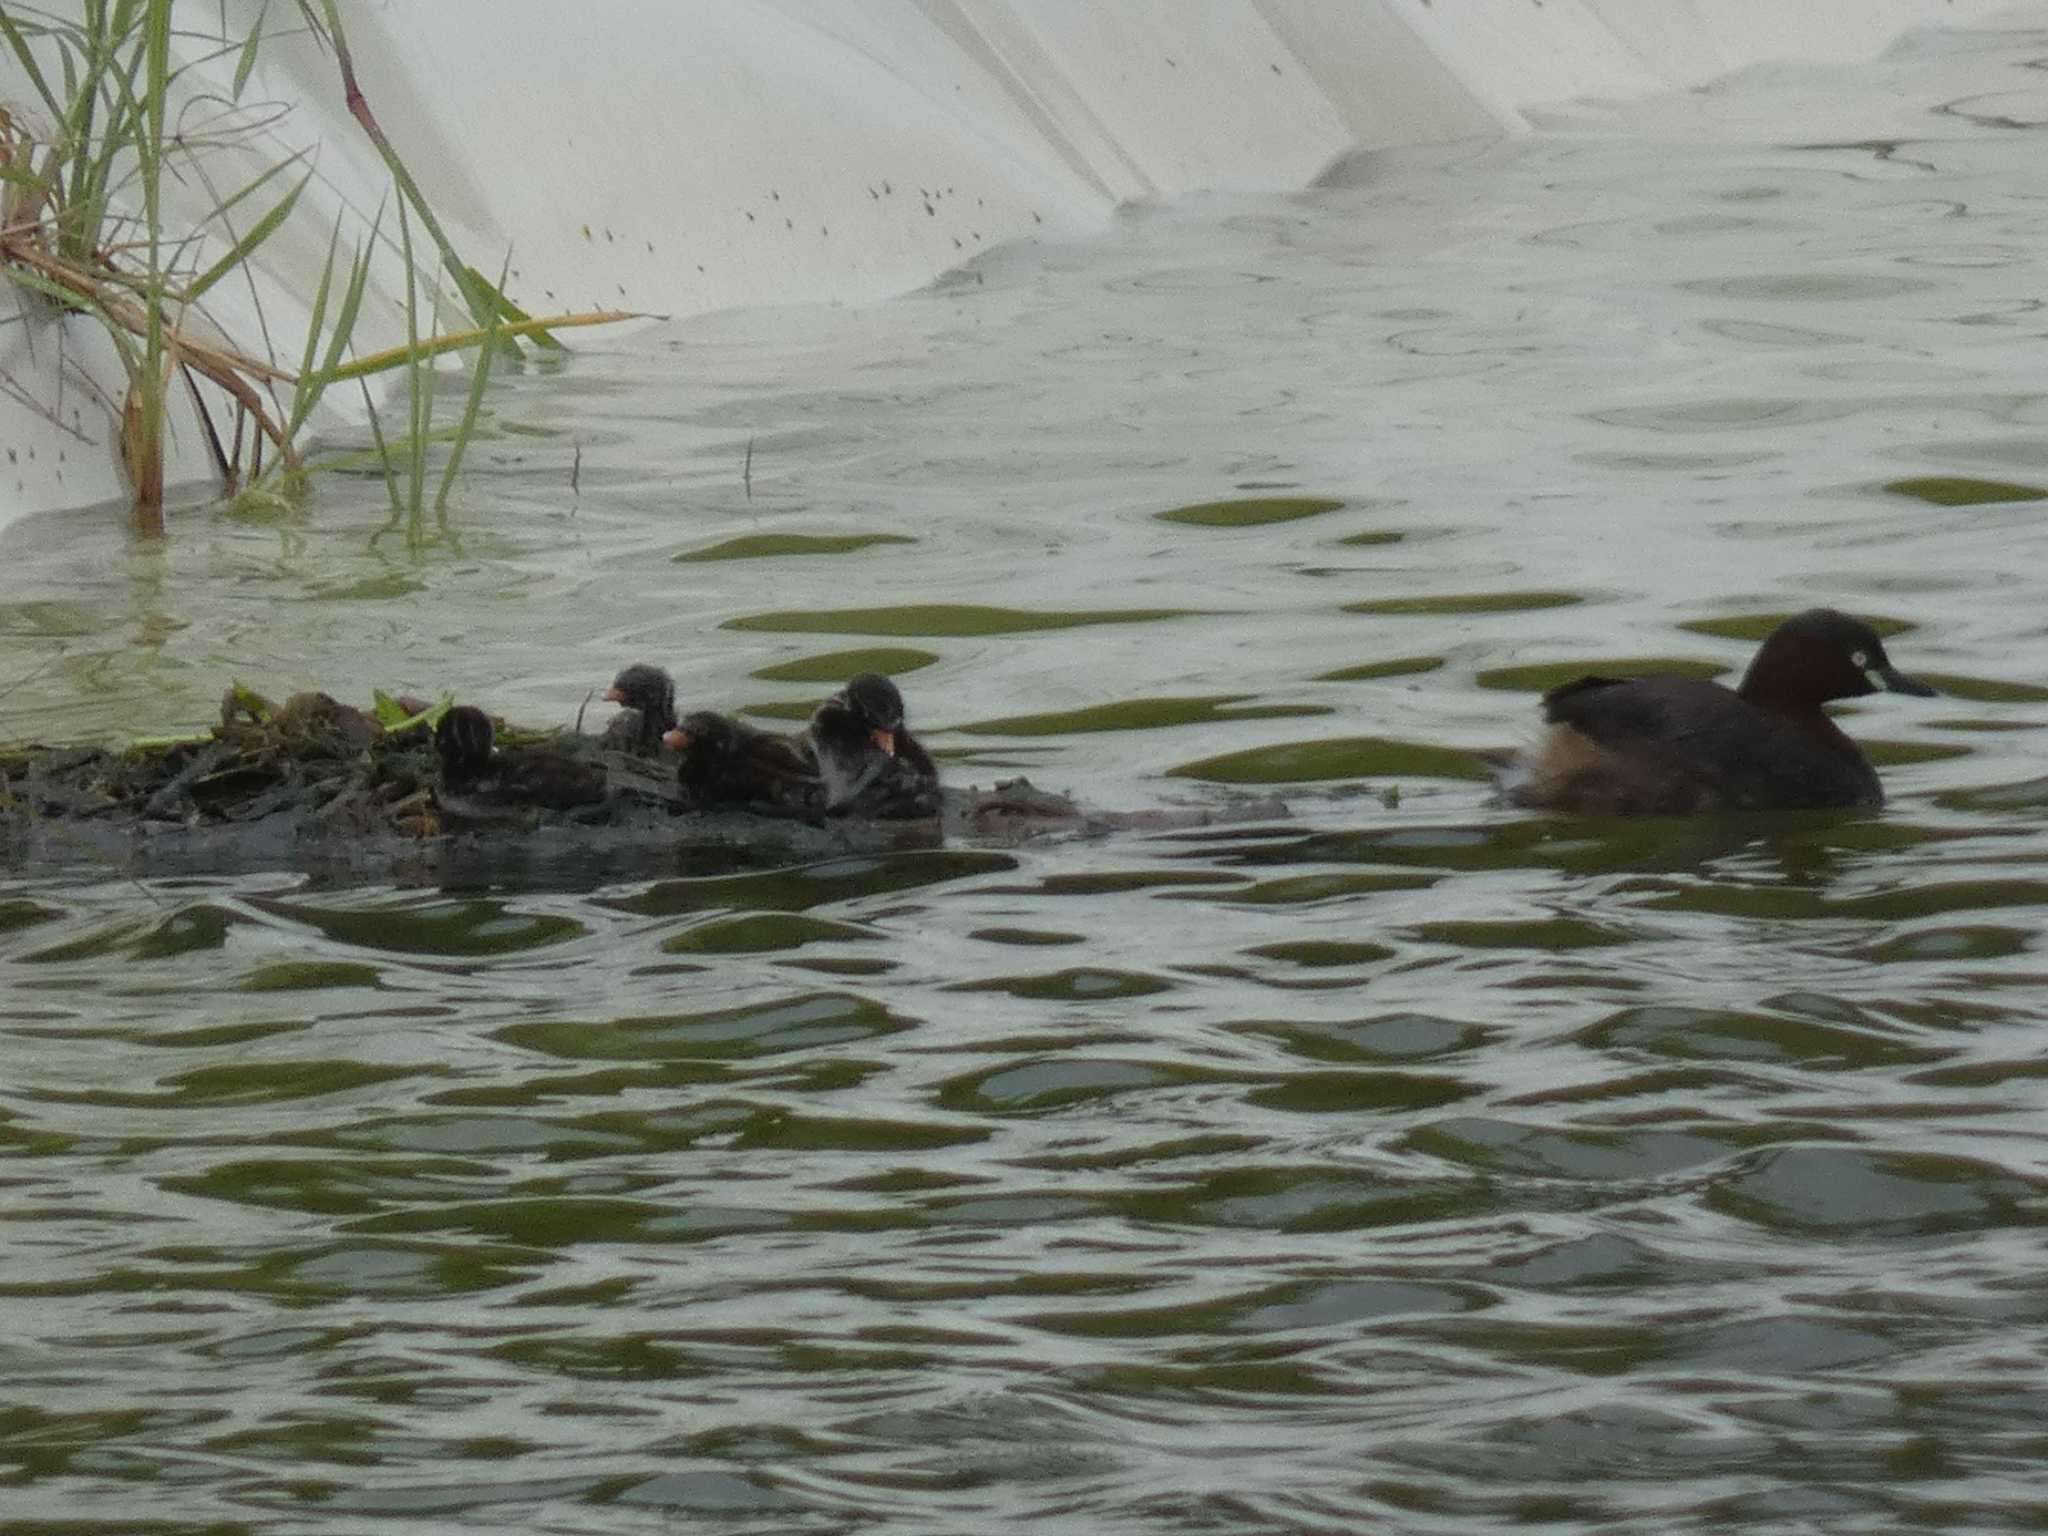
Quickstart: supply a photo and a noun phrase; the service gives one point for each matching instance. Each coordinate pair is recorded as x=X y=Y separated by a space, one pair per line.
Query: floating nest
x=322 y=787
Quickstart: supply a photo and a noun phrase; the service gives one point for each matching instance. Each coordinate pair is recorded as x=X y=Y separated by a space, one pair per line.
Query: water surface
x=1396 y=1162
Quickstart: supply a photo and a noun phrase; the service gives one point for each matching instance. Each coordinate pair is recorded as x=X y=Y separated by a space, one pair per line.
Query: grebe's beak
x=615 y=695
x=886 y=740
x=1897 y=682
x=677 y=740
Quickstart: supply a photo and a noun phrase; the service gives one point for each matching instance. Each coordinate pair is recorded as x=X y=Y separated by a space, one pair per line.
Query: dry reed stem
x=231 y=371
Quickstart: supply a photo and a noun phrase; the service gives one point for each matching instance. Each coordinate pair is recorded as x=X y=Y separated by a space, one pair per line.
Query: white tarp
x=676 y=156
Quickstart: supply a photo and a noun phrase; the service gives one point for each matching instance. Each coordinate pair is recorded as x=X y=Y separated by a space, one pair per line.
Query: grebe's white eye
x=1860 y=660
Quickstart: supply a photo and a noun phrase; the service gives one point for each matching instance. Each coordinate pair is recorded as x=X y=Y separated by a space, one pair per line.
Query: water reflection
x=1377 y=1158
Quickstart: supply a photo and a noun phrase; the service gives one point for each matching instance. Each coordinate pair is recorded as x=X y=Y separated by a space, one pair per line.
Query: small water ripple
x=1380 y=1158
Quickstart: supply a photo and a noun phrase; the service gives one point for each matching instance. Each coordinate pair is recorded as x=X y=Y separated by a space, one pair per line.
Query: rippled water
x=1399 y=1162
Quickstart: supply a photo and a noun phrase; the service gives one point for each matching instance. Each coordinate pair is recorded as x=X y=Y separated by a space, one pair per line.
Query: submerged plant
x=83 y=227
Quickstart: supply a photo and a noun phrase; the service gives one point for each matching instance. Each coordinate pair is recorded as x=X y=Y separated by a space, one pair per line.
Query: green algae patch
x=310 y=976
x=1541 y=676
x=1550 y=934
x=764 y=546
x=1340 y=1093
x=1387 y=1037
x=838 y=666
x=959 y=619
x=370 y=589
x=760 y=933
x=279 y=1082
x=1251 y=512
x=109 y=939
x=1982 y=690
x=1076 y=985
x=25 y=914
x=1322 y=952
x=1903 y=754
x=1400 y=666
x=453 y=929
x=194 y=928
x=1033 y=1086
x=1140 y=715
x=1467 y=602
x=1755 y=626
x=1963 y=491
x=44 y=619
x=840 y=965
x=1028 y=937
x=798 y=888
x=807 y=1021
x=1299 y=890
x=1113 y=882
x=259 y=509
x=224 y=1036
x=1347 y=757
x=2020 y=795
x=798 y=710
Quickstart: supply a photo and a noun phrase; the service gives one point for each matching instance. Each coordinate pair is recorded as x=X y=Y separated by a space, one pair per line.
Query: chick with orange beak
x=870 y=763
x=649 y=695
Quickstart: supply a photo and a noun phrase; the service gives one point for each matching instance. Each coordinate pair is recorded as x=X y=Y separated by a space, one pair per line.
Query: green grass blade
x=247 y=61
x=503 y=308
x=317 y=27
x=419 y=380
x=383 y=456
x=157 y=46
x=351 y=298
x=455 y=341
x=125 y=133
x=396 y=719
x=250 y=188
x=247 y=246
x=316 y=323
x=488 y=305
x=83 y=95
x=64 y=57
x=314 y=383
x=247 y=699
x=479 y=377
x=345 y=318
